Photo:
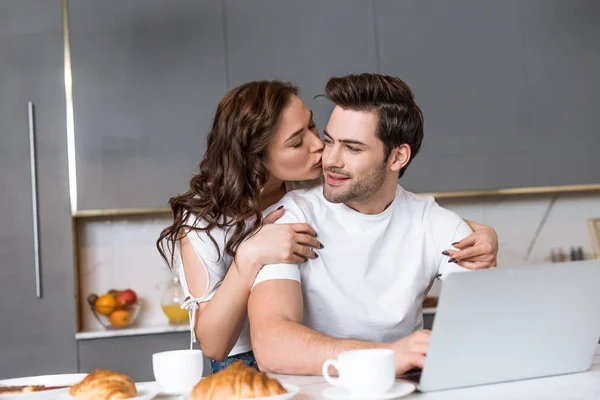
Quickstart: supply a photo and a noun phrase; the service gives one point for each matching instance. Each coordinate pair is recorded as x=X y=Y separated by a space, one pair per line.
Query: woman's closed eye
x=311 y=127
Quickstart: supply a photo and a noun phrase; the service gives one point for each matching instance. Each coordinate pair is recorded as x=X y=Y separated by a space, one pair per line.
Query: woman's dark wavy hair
x=226 y=191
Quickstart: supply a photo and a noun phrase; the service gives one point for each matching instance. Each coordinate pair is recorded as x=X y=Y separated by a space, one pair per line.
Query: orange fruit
x=105 y=304
x=120 y=318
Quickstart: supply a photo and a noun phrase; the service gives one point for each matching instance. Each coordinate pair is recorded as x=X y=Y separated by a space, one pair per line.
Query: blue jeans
x=246 y=358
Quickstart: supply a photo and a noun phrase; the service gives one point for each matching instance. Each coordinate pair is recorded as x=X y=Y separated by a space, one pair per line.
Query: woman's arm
x=220 y=320
x=478 y=250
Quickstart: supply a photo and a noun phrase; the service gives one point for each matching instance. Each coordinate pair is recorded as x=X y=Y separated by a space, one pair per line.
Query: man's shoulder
x=441 y=223
x=299 y=204
x=408 y=197
x=301 y=195
x=302 y=198
x=426 y=207
x=412 y=202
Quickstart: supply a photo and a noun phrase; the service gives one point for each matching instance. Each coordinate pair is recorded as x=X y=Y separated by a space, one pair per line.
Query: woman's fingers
x=304 y=228
x=295 y=259
x=273 y=216
x=304 y=251
x=308 y=240
x=476 y=264
x=466 y=242
x=469 y=253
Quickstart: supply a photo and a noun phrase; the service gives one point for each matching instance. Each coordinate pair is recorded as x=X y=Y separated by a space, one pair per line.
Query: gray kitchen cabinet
x=463 y=59
x=131 y=355
x=147 y=77
x=305 y=42
x=30 y=17
x=37 y=335
x=562 y=59
x=508 y=90
x=502 y=84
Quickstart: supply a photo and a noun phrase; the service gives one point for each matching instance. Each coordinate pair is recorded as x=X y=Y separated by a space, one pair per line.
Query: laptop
x=509 y=324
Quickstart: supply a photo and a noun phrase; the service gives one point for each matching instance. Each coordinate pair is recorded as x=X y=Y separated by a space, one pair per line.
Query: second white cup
x=363 y=372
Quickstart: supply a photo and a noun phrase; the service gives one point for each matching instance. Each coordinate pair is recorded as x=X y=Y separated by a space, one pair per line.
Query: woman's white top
x=216 y=264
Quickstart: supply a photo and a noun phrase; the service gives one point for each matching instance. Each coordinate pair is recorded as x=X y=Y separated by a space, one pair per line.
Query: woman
x=262 y=139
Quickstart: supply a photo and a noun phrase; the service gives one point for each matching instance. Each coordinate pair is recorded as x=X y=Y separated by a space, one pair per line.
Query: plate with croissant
x=37 y=387
x=238 y=382
x=104 y=384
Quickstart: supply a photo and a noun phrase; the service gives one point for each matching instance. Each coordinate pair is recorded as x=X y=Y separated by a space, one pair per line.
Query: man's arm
x=281 y=344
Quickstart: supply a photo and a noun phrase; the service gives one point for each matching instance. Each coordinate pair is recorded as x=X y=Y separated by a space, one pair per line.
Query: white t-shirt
x=374 y=270
x=217 y=262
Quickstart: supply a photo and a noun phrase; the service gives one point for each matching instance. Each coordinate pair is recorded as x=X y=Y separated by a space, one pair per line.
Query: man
x=383 y=245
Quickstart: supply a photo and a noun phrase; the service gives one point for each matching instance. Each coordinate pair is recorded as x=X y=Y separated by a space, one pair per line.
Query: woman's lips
x=335 y=179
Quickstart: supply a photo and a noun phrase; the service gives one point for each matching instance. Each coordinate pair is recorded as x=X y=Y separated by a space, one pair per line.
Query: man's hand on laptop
x=478 y=250
x=411 y=351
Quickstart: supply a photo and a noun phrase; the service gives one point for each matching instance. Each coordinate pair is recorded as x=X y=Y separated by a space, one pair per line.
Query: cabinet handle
x=34 y=200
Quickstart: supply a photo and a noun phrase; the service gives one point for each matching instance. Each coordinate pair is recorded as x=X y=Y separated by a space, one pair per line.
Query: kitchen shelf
x=134 y=331
x=537 y=190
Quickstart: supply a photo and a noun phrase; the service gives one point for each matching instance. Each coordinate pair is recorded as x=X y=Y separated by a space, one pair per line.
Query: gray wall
x=508 y=87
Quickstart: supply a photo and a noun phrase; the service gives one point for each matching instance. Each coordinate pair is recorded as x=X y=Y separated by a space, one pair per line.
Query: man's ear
x=399 y=157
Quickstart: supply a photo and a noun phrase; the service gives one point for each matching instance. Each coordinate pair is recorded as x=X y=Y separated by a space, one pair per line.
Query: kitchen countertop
x=584 y=385
x=133 y=331
x=153 y=330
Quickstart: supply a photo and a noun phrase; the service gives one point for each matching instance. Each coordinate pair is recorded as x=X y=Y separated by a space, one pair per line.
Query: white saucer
x=147 y=390
x=164 y=392
x=400 y=389
x=47 y=380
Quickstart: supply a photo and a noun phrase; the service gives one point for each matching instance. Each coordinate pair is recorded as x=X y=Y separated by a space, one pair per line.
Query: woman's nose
x=317 y=145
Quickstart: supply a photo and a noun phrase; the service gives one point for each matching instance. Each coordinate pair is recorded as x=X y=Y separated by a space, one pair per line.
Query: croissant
x=104 y=385
x=236 y=382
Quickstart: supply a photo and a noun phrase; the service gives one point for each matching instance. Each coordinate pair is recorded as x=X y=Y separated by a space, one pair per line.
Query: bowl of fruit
x=115 y=309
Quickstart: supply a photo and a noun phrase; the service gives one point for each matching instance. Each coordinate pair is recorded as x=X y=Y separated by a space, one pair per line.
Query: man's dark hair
x=400 y=120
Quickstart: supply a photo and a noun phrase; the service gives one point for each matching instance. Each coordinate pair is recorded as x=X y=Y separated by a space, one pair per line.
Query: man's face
x=353 y=161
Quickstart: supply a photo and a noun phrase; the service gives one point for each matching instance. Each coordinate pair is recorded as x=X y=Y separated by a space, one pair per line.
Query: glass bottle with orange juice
x=172 y=300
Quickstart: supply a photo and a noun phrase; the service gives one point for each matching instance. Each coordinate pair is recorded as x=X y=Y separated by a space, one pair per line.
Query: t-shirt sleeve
x=278 y=271
x=447 y=228
x=292 y=214
x=212 y=258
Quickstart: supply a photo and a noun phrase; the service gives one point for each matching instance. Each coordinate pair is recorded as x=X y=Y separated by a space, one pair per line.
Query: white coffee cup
x=363 y=372
x=178 y=371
